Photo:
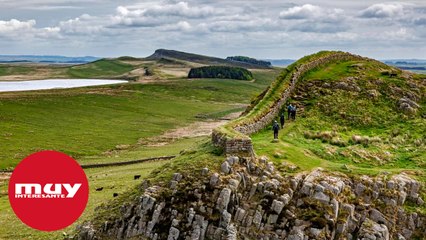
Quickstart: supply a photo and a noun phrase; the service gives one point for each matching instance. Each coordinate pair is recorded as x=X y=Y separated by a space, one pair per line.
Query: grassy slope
x=103 y=68
x=260 y=106
x=88 y=121
x=112 y=179
x=348 y=113
x=7 y=70
x=201 y=155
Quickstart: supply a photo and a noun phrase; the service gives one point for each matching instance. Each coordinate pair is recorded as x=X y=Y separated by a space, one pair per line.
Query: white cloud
x=85 y=24
x=15 y=25
x=312 y=18
x=180 y=9
x=383 y=10
x=275 y=27
x=182 y=26
x=309 y=11
x=151 y=15
x=16 y=29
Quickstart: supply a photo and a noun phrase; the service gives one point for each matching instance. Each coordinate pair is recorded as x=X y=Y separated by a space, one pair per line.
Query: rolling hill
x=351 y=166
x=160 y=65
x=160 y=113
x=195 y=58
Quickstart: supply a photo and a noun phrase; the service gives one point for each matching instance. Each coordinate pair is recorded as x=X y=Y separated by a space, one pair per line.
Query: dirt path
x=196 y=129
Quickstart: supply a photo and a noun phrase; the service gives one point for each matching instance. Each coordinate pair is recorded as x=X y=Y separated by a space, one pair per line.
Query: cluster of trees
x=221 y=72
x=249 y=60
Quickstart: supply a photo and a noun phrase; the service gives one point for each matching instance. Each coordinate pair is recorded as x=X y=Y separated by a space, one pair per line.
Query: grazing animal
x=99 y=189
x=136 y=177
x=115 y=194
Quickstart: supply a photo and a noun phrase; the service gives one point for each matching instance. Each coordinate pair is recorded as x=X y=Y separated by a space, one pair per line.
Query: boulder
x=225 y=167
x=173 y=234
x=223 y=199
x=373 y=231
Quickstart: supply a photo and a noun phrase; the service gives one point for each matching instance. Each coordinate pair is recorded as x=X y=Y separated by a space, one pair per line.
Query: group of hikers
x=291 y=110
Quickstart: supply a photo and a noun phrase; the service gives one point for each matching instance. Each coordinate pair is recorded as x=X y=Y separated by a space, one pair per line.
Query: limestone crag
x=246 y=198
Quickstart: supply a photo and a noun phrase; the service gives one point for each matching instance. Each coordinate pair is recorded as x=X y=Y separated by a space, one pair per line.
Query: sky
x=273 y=29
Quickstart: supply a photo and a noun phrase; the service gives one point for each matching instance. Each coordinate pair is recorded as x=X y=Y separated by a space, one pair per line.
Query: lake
x=12 y=86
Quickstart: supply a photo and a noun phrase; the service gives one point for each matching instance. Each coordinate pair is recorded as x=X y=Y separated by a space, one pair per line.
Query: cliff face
x=183 y=56
x=249 y=199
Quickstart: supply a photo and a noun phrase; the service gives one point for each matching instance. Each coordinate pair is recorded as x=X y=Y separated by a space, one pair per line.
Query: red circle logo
x=48 y=190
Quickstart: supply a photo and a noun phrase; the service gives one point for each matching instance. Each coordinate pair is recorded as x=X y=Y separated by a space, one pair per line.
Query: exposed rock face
x=255 y=202
x=408 y=106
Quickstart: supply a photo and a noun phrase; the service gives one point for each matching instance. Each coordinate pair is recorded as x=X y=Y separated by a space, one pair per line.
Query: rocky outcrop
x=408 y=106
x=249 y=199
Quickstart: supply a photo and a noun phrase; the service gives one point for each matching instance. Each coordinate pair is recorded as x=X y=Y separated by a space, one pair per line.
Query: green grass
x=87 y=122
x=294 y=149
x=399 y=141
x=190 y=163
x=84 y=124
x=262 y=105
x=103 y=68
x=112 y=179
x=6 y=70
x=140 y=151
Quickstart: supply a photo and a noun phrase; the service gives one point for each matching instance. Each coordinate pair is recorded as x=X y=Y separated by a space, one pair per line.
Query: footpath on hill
x=196 y=129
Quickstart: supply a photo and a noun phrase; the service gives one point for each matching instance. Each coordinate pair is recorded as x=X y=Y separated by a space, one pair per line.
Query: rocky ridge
x=248 y=199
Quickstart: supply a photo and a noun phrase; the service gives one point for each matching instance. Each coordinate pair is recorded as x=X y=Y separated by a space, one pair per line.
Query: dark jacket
x=275 y=127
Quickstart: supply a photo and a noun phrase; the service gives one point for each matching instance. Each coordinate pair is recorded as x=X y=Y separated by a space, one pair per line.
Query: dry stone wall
x=243 y=145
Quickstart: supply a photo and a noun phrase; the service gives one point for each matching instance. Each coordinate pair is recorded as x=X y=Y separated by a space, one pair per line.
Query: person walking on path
x=276 y=129
x=289 y=109
x=282 y=120
x=293 y=112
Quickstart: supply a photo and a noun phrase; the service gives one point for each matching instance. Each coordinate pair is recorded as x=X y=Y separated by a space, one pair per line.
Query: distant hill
x=414 y=65
x=45 y=59
x=249 y=60
x=195 y=58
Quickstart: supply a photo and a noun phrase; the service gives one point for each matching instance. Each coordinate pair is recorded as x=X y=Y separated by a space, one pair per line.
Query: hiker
x=293 y=112
x=282 y=120
x=289 y=109
x=276 y=128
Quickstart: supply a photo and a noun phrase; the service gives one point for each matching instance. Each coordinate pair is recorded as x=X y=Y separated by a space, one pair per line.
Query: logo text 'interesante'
x=49 y=190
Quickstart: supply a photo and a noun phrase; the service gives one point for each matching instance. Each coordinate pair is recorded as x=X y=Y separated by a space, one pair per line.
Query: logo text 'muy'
x=37 y=189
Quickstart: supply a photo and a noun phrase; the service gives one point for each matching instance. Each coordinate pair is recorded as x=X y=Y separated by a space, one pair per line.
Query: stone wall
x=221 y=139
x=242 y=146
